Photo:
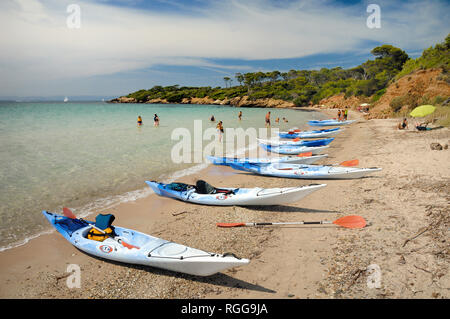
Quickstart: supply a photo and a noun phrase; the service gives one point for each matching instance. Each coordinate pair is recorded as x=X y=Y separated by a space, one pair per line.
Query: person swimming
x=219 y=128
x=268 y=119
x=212 y=119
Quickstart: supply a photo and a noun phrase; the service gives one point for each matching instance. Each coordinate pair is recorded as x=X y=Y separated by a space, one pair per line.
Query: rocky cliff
x=244 y=101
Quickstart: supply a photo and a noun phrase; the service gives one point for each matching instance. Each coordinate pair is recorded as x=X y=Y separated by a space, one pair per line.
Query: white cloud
x=38 y=46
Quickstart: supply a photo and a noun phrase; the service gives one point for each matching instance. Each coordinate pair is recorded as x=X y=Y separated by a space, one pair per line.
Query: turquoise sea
x=90 y=155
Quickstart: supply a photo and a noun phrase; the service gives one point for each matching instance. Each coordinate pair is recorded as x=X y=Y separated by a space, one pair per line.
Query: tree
x=239 y=77
x=226 y=79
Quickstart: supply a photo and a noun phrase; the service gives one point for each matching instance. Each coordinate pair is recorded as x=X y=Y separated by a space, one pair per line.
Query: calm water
x=91 y=155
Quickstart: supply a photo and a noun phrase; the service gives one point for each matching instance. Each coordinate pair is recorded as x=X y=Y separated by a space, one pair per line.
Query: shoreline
x=107 y=200
x=308 y=254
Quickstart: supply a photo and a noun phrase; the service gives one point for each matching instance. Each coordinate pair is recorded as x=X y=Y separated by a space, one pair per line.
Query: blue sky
x=126 y=45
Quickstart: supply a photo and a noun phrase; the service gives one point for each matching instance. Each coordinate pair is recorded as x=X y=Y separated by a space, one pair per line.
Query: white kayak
x=305 y=171
x=151 y=251
x=330 y=122
x=295 y=133
x=310 y=143
x=203 y=193
x=277 y=159
x=292 y=149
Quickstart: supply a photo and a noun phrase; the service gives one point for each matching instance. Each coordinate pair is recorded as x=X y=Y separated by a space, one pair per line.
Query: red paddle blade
x=230 y=224
x=354 y=162
x=68 y=213
x=124 y=244
x=297 y=130
x=304 y=154
x=296 y=139
x=352 y=221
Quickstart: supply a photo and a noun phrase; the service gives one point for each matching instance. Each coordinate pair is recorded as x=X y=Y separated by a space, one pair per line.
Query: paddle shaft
x=288 y=223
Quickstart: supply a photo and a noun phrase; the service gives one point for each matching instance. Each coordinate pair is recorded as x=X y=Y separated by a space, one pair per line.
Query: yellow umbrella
x=422 y=111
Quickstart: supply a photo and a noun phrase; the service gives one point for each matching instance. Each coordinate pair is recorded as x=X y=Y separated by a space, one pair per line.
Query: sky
x=113 y=47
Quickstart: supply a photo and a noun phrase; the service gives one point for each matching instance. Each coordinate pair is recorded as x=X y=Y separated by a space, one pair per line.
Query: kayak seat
x=180 y=187
x=203 y=187
x=103 y=222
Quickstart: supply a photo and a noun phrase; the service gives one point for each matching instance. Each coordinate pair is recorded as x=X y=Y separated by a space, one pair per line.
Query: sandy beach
x=406 y=206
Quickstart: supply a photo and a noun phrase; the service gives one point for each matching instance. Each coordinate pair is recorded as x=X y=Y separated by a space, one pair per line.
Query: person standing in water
x=213 y=119
x=268 y=119
x=345 y=114
x=240 y=115
x=139 y=120
x=219 y=128
x=156 y=120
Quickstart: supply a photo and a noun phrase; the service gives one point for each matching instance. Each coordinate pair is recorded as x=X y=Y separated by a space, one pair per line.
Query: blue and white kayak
x=292 y=150
x=151 y=251
x=233 y=196
x=277 y=159
x=305 y=171
x=310 y=134
x=321 y=142
x=330 y=122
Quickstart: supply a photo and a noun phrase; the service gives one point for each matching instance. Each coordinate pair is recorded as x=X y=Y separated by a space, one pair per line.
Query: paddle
x=354 y=162
x=305 y=154
x=68 y=213
x=351 y=221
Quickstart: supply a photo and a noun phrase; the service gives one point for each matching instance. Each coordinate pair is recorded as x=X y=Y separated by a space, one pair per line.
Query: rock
x=436 y=146
x=157 y=101
x=124 y=99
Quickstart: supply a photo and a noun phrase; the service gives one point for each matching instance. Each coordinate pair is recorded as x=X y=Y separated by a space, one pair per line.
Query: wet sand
x=406 y=206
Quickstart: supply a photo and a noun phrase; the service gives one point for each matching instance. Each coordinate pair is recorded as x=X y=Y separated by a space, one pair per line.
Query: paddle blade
x=304 y=154
x=352 y=221
x=296 y=139
x=68 y=213
x=297 y=130
x=354 y=162
x=124 y=244
x=230 y=224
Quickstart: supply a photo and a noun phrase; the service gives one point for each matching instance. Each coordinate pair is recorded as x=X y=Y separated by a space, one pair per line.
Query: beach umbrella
x=422 y=111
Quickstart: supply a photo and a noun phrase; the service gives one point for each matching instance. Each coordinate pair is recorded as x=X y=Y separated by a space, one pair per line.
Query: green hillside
x=303 y=87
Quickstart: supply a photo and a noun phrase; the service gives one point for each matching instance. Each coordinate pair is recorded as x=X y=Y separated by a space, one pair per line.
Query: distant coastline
x=389 y=86
x=244 y=101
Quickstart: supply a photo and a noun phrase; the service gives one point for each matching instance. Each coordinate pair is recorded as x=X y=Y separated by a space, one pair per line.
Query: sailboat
x=66 y=99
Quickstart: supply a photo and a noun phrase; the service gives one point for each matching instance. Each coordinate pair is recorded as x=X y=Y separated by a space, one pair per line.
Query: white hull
x=242 y=197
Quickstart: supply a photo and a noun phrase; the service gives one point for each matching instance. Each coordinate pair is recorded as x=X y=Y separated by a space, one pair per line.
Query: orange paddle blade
x=68 y=213
x=297 y=130
x=304 y=154
x=230 y=224
x=351 y=221
x=128 y=245
x=354 y=162
x=296 y=139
